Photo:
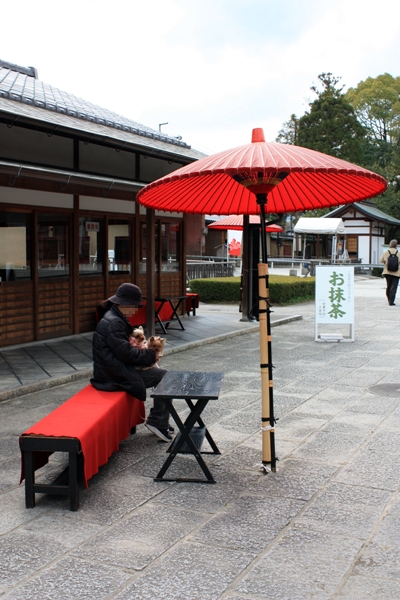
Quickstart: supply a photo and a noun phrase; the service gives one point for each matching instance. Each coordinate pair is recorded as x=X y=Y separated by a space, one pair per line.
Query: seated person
x=114 y=359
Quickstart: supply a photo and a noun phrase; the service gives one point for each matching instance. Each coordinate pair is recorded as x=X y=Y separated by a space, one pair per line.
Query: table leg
x=159 y=321
x=175 y=312
x=185 y=429
x=29 y=479
x=208 y=435
x=73 y=481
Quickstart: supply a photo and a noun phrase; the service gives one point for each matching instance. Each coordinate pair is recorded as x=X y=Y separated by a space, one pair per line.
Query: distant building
x=70 y=229
x=365 y=230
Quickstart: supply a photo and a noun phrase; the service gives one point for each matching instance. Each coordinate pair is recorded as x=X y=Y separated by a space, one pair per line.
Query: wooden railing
x=205 y=270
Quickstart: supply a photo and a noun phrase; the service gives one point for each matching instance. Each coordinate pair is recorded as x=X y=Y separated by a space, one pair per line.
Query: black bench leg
x=73 y=481
x=29 y=479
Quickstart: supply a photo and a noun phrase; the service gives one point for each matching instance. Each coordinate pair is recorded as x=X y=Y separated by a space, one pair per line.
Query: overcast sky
x=212 y=69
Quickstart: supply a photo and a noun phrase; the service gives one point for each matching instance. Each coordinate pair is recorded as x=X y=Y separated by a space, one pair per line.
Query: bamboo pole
x=267 y=408
x=267 y=397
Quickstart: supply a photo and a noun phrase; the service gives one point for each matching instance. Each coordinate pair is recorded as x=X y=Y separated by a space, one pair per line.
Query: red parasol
x=235 y=222
x=254 y=179
x=226 y=183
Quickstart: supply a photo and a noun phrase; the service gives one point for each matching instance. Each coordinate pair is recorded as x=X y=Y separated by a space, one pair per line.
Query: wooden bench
x=89 y=426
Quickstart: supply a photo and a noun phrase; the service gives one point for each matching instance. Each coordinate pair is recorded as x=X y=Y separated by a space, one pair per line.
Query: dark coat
x=114 y=359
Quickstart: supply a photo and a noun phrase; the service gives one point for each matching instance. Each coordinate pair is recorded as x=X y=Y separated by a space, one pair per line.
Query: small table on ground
x=174 y=304
x=196 y=388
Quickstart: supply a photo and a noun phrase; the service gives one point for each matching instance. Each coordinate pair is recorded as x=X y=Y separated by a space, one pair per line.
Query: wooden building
x=365 y=227
x=70 y=229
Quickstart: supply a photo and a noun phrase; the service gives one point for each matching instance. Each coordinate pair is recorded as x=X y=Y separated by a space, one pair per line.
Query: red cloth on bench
x=100 y=420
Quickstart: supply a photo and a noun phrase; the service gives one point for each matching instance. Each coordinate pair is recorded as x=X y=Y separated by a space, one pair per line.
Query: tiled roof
x=21 y=84
x=367 y=209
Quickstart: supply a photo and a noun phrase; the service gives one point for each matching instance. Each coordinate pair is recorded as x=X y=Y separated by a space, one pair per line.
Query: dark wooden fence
x=206 y=270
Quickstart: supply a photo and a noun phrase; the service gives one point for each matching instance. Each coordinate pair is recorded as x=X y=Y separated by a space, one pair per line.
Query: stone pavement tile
x=8 y=446
x=226 y=439
x=211 y=497
x=289 y=371
x=249 y=522
x=230 y=403
x=370 y=468
x=113 y=499
x=393 y=377
x=374 y=404
x=70 y=354
x=298 y=479
x=70 y=579
x=345 y=510
x=8 y=379
x=363 y=377
x=136 y=541
x=349 y=422
x=393 y=421
x=233 y=596
x=10 y=472
x=369 y=588
x=298 y=425
x=285 y=402
x=303 y=565
x=379 y=346
x=246 y=421
x=183 y=465
x=385 y=440
x=352 y=359
x=319 y=407
x=380 y=559
x=83 y=343
x=189 y=571
x=301 y=386
x=328 y=446
x=245 y=456
x=239 y=381
x=13 y=513
x=25 y=552
x=44 y=356
x=118 y=462
x=11 y=421
x=342 y=394
x=70 y=527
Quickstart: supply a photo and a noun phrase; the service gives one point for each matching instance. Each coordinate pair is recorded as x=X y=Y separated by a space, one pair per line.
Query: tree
x=331 y=126
x=376 y=102
x=377 y=105
x=288 y=133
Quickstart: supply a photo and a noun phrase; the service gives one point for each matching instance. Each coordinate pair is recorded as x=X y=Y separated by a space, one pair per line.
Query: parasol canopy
x=235 y=222
x=294 y=178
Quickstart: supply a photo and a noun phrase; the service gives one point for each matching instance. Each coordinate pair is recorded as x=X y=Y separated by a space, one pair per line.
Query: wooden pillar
x=245 y=269
x=34 y=272
x=182 y=254
x=150 y=270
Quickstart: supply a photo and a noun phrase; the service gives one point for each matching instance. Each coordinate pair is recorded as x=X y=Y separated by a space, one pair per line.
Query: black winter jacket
x=114 y=359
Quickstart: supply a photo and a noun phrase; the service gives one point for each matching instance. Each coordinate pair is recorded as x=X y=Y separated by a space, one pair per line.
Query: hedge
x=282 y=289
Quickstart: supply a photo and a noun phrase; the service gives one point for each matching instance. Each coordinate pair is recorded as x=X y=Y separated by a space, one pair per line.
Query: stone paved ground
x=324 y=526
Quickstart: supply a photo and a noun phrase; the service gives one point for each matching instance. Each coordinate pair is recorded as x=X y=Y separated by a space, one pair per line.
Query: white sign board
x=334 y=301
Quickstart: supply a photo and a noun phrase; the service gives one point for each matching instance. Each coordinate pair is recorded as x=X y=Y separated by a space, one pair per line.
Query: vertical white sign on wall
x=334 y=302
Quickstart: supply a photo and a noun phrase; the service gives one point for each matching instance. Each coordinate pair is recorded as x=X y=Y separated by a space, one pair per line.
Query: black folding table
x=196 y=388
x=174 y=303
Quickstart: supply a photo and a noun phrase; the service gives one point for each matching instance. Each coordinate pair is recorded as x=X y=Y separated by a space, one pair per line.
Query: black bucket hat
x=128 y=294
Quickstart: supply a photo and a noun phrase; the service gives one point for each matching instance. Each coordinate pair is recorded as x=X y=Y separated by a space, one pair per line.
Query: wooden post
x=150 y=271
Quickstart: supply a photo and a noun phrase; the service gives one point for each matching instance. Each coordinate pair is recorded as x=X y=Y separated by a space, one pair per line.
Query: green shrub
x=217 y=289
x=377 y=271
x=282 y=289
